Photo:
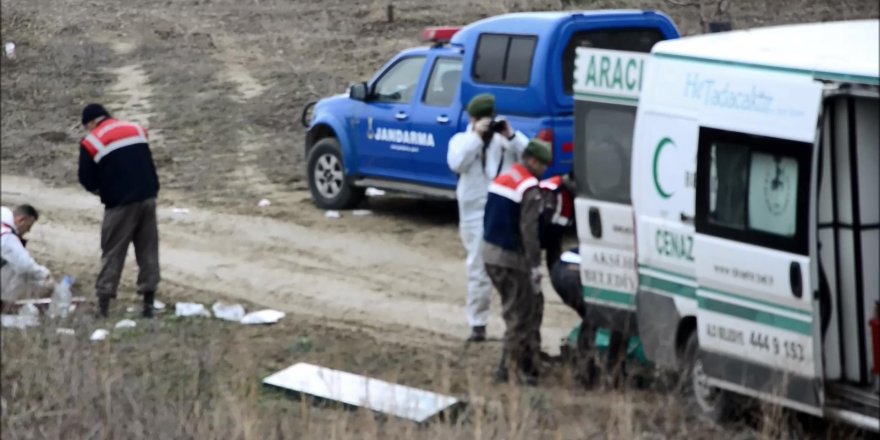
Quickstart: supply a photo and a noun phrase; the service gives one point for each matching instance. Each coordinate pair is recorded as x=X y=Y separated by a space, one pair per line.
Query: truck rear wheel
x=328 y=184
x=704 y=400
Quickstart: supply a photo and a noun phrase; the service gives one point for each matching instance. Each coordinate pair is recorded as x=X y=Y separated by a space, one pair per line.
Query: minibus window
x=773 y=194
x=607 y=131
x=753 y=189
x=729 y=176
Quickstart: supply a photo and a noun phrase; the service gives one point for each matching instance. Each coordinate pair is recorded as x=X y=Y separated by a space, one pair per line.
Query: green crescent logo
x=663 y=142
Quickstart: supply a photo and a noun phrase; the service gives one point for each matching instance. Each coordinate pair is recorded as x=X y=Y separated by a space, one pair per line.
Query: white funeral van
x=755 y=191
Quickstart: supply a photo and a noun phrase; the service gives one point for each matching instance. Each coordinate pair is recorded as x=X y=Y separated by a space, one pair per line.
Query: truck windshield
x=633 y=40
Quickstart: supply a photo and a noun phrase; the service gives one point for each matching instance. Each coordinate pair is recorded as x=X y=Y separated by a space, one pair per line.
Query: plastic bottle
x=61 y=298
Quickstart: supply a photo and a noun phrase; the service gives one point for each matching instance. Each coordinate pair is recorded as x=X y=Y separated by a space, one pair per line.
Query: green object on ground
x=634 y=349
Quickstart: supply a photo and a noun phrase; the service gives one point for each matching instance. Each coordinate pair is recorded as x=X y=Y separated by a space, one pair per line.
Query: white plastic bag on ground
x=228 y=312
x=267 y=316
x=374 y=192
x=125 y=323
x=29 y=309
x=158 y=305
x=19 y=321
x=361 y=212
x=264 y=203
x=332 y=214
x=191 y=309
x=99 y=335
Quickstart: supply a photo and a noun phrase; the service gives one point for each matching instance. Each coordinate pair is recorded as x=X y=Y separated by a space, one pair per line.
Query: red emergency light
x=439 y=34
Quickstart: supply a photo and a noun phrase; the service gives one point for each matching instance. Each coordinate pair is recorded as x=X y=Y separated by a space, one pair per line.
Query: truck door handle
x=442 y=119
x=595 y=221
x=794 y=277
x=400 y=116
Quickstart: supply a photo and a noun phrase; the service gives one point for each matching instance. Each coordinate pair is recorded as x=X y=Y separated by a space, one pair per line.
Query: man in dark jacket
x=116 y=164
x=512 y=252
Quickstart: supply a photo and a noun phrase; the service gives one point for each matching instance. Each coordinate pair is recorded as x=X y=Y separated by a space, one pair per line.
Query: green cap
x=541 y=150
x=482 y=106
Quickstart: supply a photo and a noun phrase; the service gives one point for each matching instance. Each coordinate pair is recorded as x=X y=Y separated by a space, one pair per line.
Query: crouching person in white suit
x=479 y=154
x=22 y=277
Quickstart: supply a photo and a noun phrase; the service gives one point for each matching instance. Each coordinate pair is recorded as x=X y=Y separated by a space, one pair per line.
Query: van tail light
x=546 y=135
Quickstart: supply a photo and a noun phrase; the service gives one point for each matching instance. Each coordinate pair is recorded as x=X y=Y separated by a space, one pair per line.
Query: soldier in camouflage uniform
x=512 y=252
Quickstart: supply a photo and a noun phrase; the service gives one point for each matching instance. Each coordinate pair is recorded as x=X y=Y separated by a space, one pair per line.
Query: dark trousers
x=566 y=281
x=523 y=310
x=133 y=223
x=551 y=240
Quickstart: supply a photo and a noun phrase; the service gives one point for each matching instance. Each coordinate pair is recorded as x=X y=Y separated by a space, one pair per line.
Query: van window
x=633 y=40
x=444 y=81
x=504 y=59
x=604 y=140
x=753 y=189
x=399 y=83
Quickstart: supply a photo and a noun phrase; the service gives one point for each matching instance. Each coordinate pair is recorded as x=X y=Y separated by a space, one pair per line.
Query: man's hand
x=508 y=130
x=481 y=127
x=44 y=279
x=536 y=279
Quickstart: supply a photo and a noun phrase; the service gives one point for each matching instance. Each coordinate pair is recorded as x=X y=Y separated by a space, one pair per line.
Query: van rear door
x=607 y=86
x=756 y=197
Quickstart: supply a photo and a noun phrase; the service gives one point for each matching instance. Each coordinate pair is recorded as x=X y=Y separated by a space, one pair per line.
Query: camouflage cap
x=482 y=106
x=541 y=150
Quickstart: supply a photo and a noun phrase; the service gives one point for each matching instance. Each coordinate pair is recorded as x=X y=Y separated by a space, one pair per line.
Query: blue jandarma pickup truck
x=392 y=132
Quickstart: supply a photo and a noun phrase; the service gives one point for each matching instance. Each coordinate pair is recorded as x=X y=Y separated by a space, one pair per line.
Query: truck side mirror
x=358 y=91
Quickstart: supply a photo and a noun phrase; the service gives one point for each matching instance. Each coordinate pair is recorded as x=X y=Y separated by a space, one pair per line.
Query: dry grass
x=195 y=378
x=198 y=378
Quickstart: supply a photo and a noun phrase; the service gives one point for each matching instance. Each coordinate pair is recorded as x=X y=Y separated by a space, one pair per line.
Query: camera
x=498 y=126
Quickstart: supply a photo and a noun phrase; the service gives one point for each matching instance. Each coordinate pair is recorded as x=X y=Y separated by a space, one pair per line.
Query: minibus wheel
x=704 y=400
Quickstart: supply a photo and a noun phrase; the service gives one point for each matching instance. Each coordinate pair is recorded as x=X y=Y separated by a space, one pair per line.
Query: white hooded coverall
x=465 y=159
x=19 y=272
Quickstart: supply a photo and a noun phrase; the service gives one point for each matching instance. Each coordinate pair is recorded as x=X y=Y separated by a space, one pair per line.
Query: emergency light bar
x=439 y=34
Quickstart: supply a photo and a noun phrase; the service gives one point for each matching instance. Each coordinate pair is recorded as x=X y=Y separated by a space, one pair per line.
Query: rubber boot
x=527 y=373
x=103 y=306
x=148 y=304
x=478 y=334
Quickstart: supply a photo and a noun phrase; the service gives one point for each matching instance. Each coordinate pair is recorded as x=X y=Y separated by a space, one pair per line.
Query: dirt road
x=329 y=270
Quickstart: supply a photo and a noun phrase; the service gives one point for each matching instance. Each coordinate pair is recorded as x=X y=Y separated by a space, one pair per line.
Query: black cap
x=92 y=112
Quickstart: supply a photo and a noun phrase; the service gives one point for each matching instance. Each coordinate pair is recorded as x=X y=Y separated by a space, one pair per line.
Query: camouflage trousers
x=523 y=310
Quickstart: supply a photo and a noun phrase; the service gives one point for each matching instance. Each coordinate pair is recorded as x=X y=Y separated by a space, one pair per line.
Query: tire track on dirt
x=132 y=93
x=252 y=140
x=349 y=277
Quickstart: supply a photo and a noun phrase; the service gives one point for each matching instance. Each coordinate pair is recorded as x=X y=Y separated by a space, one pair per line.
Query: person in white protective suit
x=21 y=275
x=485 y=149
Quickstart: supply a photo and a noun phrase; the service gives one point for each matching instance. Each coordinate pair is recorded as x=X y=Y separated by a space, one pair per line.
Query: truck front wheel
x=330 y=187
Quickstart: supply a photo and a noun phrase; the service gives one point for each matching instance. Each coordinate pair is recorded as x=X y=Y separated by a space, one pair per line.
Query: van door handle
x=595 y=221
x=442 y=119
x=400 y=116
x=795 y=279
x=689 y=219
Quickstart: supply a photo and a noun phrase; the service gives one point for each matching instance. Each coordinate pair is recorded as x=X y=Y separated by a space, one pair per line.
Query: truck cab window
x=504 y=59
x=633 y=40
x=398 y=84
x=444 y=82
